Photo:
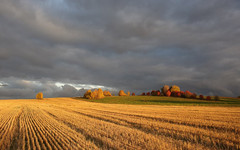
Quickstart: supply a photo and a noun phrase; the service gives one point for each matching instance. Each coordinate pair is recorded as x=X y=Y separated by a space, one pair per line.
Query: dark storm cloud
x=19 y=88
x=134 y=45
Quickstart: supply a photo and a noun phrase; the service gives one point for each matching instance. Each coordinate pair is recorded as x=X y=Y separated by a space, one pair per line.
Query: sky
x=63 y=47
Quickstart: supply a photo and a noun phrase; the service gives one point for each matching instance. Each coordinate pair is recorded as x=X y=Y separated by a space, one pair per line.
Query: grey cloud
x=18 y=88
x=68 y=91
x=133 y=45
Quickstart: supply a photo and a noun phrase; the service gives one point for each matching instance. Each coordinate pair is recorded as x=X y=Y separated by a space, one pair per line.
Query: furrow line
x=70 y=139
x=110 y=134
x=27 y=139
x=172 y=121
x=88 y=136
x=45 y=141
x=39 y=140
x=30 y=143
x=64 y=138
x=181 y=135
x=51 y=139
x=16 y=133
x=7 y=134
x=4 y=125
x=165 y=132
x=51 y=131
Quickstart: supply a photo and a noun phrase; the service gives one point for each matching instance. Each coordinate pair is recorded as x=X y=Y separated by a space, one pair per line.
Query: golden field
x=66 y=123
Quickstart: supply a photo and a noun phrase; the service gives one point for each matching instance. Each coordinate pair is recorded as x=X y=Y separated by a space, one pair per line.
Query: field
x=70 y=123
x=163 y=100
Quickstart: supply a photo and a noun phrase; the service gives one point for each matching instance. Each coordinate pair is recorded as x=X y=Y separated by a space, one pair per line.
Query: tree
x=121 y=93
x=39 y=95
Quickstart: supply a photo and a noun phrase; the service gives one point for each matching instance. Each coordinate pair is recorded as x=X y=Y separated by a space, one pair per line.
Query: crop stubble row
x=65 y=123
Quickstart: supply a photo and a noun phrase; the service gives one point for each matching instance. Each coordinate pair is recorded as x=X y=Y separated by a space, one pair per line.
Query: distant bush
x=201 y=97
x=158 y=93
x=174 y=93
x=194 y=96
x=154 y=93
x=182 y=94
x=121 y=93
x=216 y=98
x=100 y=94
x=178 y=94
x=96 y=94
x=107 y=93
x=88 y=94
x=208 y=98
x=39 y=95
x=128 y=93
x=133 y=94
x=188 y=94
x=168 y=93
x=175 y=88
x=148 y=94
x=165 y=89
x=143 y=94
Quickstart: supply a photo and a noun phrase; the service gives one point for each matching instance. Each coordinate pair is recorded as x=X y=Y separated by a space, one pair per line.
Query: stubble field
x=66 y=123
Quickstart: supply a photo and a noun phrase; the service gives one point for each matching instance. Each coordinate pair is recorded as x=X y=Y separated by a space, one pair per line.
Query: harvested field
x=66 y=123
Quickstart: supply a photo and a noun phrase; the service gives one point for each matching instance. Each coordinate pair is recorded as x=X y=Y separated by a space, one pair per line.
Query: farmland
x=164 y=100
x=70 y=123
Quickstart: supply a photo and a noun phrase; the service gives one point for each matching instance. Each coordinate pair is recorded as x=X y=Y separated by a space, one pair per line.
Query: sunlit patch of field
x=66 y=123
x=164 y=100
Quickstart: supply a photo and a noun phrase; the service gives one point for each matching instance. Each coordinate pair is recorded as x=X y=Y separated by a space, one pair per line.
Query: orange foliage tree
x=39 y=95
x=168 y=93
x=121 y=93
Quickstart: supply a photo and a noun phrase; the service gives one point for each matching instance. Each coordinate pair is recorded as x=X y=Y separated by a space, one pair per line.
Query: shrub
x=143 y=94
x=99 y=94
x=158 y=93
x=95 y=93
x=133 y=94
x=201 y=97
x=178 y=94
x=173 y=94
x=216 y=98
x=88 y=94
x=175 y=88
x=128 y=93
x=39 y=95
x=165 y=89
x=121 y=93
x=194 y=96
x=182 y=94
x=107 y=93
x=188 y=94
x=154 y=93
x=208 y=98
x=168 y=93
x=148 y=94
